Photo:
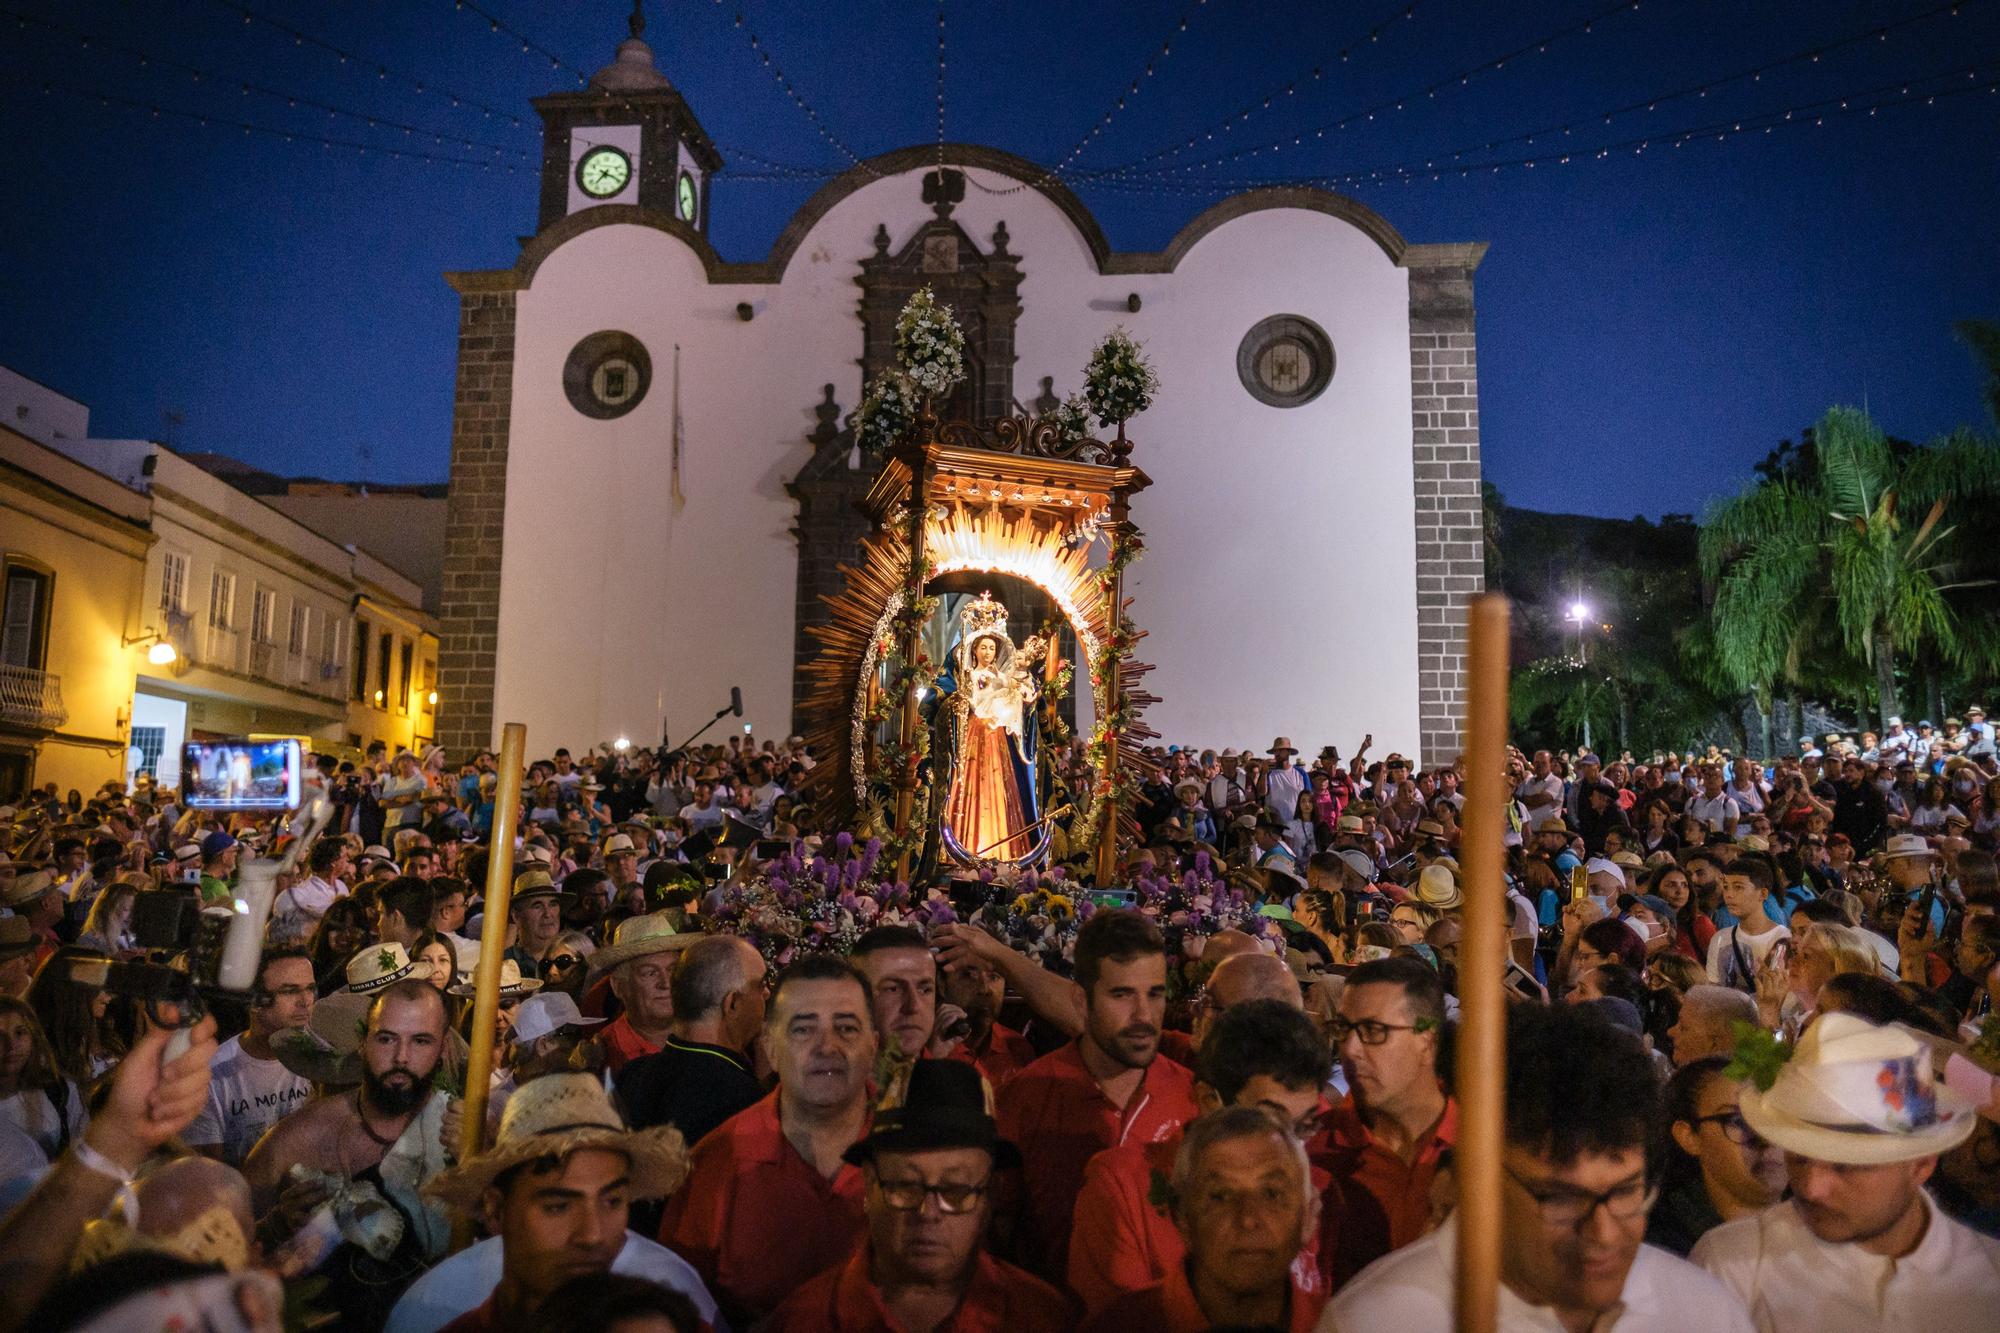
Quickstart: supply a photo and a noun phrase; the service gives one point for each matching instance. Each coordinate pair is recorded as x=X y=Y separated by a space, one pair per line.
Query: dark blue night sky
x=1650 y=323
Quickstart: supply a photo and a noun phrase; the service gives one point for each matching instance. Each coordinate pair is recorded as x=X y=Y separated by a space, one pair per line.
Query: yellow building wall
x=99 y=565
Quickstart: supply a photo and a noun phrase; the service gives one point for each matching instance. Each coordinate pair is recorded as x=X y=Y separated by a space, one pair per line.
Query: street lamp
x=622 y=744
x=1579 y=615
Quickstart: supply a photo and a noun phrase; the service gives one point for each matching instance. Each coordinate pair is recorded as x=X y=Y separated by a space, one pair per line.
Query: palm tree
x=1852 y=553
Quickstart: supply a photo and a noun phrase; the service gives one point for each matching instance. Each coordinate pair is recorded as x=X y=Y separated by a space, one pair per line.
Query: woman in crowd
x=1717 y=1168
x=34 y=1096
x=343 y=929
x=108 y=928
x=87 y=1029
x=433 y=949
x=1927 y=816
x=1412 y=919
x=1692 y=928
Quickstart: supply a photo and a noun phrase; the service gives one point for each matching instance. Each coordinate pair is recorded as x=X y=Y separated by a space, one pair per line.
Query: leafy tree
x=1846 y=549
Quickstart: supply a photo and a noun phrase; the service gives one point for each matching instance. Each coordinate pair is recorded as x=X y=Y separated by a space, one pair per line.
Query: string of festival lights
x=1875 y=33
x=1131 y=93
x=246 y=87
x=1277 y=95
x=940 y=84
x=777 y=72
x=1905 y=92
x=159 y=112
x=499 y=27
x=383 y=73
x=1426 y=93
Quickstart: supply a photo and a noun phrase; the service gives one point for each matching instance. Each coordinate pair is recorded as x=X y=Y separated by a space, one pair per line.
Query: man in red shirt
x=772 y=1199
x=1108 y=1087
x=1261 y=1053
x=1384 y=1139
x=929 y=1165
x=896 y=963
x=1245 y=1208
x=640 y=963
x=978 y=989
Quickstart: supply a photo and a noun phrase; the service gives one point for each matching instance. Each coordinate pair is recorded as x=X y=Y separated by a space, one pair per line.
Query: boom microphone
x=736 y=700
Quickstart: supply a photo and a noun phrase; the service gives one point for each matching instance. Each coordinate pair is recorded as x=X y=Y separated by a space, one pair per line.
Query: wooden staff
x=492 y=940
x=912 y=644
x=1481 y=1079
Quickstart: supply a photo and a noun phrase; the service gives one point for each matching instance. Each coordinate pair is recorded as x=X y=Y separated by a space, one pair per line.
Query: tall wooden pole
x=1114 y=685
x=1481 y=1077
x=913 y=594
x=493 y=939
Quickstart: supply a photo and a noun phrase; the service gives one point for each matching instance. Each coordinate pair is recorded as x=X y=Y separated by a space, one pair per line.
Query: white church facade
x=651 y=486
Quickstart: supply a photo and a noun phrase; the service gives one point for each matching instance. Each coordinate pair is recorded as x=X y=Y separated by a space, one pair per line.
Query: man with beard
x=771 y=1199
x=1576 y=1178
x=1108 y=1087
x=979 y=989
x=389 y=1133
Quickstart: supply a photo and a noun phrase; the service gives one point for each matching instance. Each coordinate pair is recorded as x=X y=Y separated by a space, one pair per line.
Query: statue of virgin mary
x=988 y=729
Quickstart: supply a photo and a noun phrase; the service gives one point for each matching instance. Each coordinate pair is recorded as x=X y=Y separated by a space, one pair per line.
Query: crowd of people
x=745 y=1080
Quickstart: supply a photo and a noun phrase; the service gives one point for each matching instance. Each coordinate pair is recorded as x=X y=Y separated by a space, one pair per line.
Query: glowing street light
x=1578 y=612
x=622 y=744
x=161 y=653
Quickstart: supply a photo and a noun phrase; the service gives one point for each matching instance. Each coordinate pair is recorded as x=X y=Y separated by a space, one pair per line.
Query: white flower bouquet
x=929 y=344
x=888 y=410
x=1119 y=382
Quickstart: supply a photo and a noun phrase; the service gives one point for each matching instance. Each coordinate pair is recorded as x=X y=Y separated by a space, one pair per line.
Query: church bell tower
x=627 y=138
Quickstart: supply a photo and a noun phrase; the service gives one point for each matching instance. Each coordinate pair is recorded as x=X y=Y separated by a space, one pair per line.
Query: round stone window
x=607 y=374
x=1286 y=361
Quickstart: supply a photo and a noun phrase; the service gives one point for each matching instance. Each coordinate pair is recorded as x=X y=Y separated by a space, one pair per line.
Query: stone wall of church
x=475 y=521
x=1280 y=584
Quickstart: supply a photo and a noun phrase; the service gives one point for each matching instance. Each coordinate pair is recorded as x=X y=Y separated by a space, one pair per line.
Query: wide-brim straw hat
x=1858 y=1094
x=1907 y=844
x=639 y=936
x=1438 y=887
x=554 y=1116
x=512 y=984
x=1283 y=745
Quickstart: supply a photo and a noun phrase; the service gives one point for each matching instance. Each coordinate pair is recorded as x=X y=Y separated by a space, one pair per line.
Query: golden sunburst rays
x=1027 y=543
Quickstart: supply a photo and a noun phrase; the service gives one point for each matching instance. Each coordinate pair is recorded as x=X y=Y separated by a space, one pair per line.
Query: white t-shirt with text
x=246 y=1096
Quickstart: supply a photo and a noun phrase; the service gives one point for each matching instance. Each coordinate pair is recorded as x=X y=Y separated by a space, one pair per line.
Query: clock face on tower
x=686 y=197
x=603 y=172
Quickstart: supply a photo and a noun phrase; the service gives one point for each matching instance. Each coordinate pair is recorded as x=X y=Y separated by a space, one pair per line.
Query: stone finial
x=1000 y=238
x=1047 y=401
x=881 y=240
x=828 y=412
x=944 y=189
x=637 y=22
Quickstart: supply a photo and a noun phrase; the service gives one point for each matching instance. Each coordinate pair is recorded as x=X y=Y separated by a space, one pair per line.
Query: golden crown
x=982 y=613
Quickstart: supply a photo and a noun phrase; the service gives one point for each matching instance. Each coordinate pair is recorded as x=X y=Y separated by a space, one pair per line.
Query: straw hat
x=554 y=1116
x=537 y=884
x=1555 y=825
x=637 y=937
x=512 y=984
x=17 y=937
x=1430 y=828
x=1628 y=859
x=327 y=1049
x=1860 y=1095
x=1754 y=842
x=1350 y=824
x=619 y=844
x=378 y=968
x=1283 y=745
x=26 y=888
x=1907 y=844
x=1438 y=888
x=1358 y=862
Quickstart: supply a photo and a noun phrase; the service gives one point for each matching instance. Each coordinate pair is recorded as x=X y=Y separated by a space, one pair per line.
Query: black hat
x=1269 y=822
x=944 y=1107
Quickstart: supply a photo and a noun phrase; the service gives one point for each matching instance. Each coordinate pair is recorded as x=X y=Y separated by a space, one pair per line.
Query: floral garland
x=902 y=621
x=888 y=410
x=1119 y=382
x=929 y=344
x=1112 y=782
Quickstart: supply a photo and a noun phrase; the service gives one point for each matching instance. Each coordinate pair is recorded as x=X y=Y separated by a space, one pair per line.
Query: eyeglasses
x=1566 y=1206
x=1371 y=1032
x=1733 y=1125
x=907 y=1196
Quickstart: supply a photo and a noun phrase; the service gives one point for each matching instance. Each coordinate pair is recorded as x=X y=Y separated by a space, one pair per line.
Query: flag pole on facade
x=680 y=496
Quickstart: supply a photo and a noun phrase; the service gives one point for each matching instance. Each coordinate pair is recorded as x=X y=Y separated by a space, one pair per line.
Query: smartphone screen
x=1115 y=898
x=241 y=775
x=1579 y=884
